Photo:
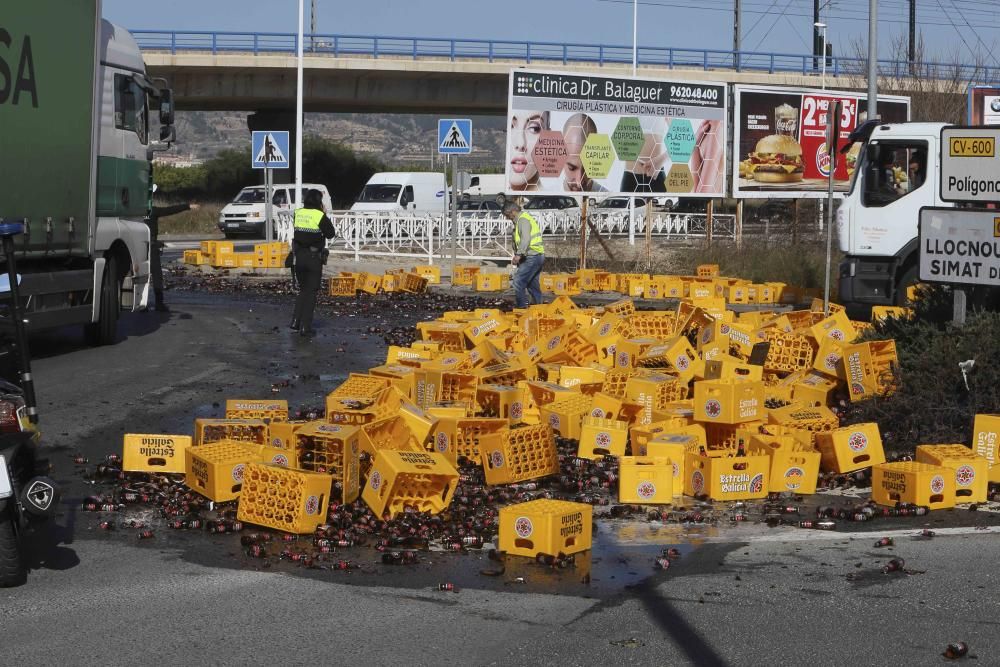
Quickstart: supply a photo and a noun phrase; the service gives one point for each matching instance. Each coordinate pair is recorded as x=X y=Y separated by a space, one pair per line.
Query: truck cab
x=895 y=174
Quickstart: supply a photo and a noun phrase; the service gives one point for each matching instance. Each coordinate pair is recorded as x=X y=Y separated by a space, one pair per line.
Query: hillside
x=399 y=140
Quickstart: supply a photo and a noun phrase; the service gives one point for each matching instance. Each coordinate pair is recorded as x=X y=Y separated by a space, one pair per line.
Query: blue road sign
x=454 y=136
x=269 y=150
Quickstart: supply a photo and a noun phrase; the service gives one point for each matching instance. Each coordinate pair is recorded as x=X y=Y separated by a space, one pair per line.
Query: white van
x=485 y=185
x=245 y=214
x=402 y=192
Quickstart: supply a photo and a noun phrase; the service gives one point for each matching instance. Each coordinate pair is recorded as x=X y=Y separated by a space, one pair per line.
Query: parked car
x=619 y=205
x=552 y=204
x=471 y=208
x=245 y=214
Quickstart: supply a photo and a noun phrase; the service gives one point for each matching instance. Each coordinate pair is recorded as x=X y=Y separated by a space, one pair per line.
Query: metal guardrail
x=489 y=236
x=415 y=48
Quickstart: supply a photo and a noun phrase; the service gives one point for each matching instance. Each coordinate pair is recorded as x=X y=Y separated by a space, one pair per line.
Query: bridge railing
x=384 y=46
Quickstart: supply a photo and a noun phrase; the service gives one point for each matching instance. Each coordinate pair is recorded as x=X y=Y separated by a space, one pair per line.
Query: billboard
x=984 y=105
x=569 y=133
x=780 y=148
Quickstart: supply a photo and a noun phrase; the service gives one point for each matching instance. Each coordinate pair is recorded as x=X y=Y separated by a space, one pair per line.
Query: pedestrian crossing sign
x=454 y=136
x=269 y=150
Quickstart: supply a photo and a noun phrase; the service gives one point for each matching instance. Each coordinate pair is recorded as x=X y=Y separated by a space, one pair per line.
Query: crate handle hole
x=522 y=543
x=862 y=458
x=741 y=465
x=570 y=541
x=895 y=496
x=963 y=492
x=237 y=487
x=201 y=483
x=156 y=462
x=936 y=498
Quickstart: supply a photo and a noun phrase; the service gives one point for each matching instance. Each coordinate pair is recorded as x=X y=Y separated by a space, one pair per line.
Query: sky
x=953 y=30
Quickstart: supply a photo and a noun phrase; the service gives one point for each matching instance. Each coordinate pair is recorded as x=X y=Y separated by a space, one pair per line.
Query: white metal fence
x=488 y=236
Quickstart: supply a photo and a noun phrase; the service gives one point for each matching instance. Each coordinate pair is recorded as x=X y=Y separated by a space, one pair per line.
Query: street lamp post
x=822 y=75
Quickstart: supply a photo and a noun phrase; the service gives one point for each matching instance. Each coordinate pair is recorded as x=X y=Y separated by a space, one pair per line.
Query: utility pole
x=912 y=52
x=737 y=34
x=816 y=45
x=312 y=27
x=872 y=59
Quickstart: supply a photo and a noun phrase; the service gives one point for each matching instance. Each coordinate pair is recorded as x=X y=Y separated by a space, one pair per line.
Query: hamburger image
x=777 y=159
x=851 y=157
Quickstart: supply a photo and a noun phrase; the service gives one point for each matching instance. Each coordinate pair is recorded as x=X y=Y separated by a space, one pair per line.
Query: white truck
x=246 y=214
x=485 y=186
x=74 y=132
x=403 y=192
x=895 y=174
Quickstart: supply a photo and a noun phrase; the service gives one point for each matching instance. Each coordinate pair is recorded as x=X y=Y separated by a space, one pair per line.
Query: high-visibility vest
x=307 y=219
x=535 y=242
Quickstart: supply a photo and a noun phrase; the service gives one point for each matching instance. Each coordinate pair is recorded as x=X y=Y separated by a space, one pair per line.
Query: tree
x=936 y=89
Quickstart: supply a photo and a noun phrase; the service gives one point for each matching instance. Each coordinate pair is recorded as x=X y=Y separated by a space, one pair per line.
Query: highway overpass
x=379 y=74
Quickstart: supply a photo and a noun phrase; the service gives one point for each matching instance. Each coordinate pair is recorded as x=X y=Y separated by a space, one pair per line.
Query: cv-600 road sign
x=960 y=246
x=970 y=164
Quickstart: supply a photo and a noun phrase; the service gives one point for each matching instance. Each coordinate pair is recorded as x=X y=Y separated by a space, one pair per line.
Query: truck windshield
x=250 y=196
x=380 y=193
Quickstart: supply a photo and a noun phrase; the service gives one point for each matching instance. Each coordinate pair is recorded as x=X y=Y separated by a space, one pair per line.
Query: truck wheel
x=910 y=277
x=105 y=330
x=12 y=570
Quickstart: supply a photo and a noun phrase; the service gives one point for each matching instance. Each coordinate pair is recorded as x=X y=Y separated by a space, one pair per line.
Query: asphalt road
x=740 y=595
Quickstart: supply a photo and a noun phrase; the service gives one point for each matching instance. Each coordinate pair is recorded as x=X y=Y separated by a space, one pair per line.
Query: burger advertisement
x=781 y=141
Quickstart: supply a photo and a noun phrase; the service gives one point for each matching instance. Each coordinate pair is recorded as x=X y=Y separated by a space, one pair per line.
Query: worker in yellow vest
x=529 y=255
x=312 y=228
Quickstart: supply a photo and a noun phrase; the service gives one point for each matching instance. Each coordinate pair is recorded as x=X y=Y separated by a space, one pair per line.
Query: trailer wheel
x=12 y=569
x=105 y=330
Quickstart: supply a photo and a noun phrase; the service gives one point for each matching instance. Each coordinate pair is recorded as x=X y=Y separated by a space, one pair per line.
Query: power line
x=839 y=17
x=776 y=21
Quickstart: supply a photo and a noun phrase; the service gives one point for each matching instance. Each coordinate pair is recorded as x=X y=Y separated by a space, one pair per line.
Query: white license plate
x=6 y=490
x=233 y=225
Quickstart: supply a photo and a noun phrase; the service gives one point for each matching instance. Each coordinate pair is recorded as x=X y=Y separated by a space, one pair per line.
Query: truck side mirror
x=404 y=199
x=166 y=107
x=168 y=134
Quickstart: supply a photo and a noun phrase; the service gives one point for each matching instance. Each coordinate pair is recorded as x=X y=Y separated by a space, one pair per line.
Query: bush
x=801 y=265
x=931 y=404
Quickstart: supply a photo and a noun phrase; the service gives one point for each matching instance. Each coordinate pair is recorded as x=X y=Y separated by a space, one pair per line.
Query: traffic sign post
x=269 y=151
x=454 y=139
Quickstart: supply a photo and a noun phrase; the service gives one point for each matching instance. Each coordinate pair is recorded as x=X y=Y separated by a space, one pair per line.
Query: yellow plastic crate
x=350 y=410
x=673 y=446
x=565 y=415
x=498 y=401
x=390 y=283
x=467 y=434
x=707 y=270
x=727 y=367
x=971 y=469
x=545 y=526
x=518 y=454
x=215 y=247
x=216 y=470
x=332 y=449
x=794 y=466
x=293 y=501
x=645 y=480
x=418 y=481
x=266 y=410
x=728 y=401
x=986 y=442
x=197 y=258
x=600 y=437
x=883 y=313
x=245 y=260
x=837 y=328
x=640 y=435
x=917 y=483
x=788 y=352
x=281 y=435
x=726 y=477
x=253 y=431
x=342 y=286
x=389 y=433
x=869 y=368
x=370 y=283
x=851 y=448
x=147 y=452
x=464 y=275
x=815 y=419
x=812 y=388
x=276 y=456
x=488 y=282
x=432 y=274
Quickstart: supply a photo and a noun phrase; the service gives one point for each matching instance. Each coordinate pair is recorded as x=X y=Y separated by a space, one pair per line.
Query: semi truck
x=895 y=172
x=75 y=163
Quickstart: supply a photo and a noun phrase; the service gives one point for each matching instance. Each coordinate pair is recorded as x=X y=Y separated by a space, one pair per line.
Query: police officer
x=312 y=227
x=529 y=255
x=155 y=247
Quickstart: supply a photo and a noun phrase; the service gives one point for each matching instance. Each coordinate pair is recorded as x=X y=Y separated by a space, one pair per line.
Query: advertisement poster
x=572 y=133
x=781 y=139
x=984 y=105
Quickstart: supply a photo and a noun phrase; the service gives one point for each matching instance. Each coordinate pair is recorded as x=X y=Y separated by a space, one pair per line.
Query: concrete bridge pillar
x=278 y=120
